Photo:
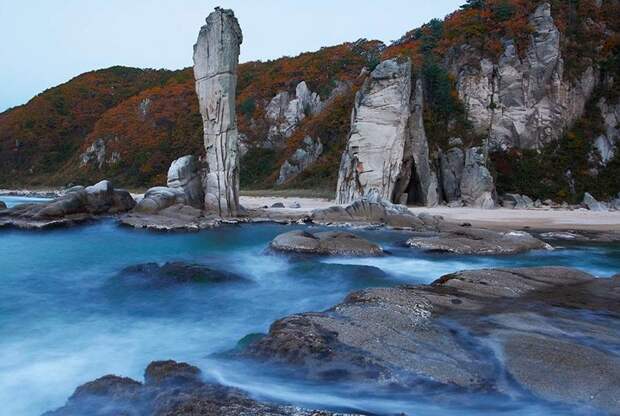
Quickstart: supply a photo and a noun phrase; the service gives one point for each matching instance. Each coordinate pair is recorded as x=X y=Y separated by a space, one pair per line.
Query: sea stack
x=216 y=57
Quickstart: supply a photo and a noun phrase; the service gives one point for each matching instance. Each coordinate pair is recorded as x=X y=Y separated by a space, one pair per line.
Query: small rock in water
x=325 y=243
x=178 y=272
x=2 y=205
x=277 y=205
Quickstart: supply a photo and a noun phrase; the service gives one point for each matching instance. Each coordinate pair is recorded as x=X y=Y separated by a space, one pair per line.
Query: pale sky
x=47 y=42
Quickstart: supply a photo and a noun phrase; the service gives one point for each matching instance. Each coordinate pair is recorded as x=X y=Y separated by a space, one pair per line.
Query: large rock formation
x=498 y=332
x=216 y=56
x=422 y=188
x=373 y=159
x=477 y=186
x=184 y=187
x=522 y=102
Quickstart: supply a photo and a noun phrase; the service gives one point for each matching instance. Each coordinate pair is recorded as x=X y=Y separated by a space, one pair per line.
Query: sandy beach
x=500 y=218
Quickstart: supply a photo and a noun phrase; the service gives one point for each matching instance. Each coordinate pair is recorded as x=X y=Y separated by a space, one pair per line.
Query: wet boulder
x=178 y=217
x=478 y=241
x=552 y=330
x=179 y=273
x=334 y=243
x=2 y=205
x=169 y=389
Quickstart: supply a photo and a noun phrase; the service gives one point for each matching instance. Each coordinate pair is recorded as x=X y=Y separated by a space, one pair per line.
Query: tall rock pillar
x=216 y=57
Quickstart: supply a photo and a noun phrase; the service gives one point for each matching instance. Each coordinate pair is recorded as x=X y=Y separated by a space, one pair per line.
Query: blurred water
x=11 y=201
x=67 y=317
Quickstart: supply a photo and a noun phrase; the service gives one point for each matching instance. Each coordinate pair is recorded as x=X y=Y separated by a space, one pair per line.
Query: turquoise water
x=67 y=316
x=11 y=201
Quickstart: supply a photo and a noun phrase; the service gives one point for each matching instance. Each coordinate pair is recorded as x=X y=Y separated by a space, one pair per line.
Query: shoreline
x=536 y=219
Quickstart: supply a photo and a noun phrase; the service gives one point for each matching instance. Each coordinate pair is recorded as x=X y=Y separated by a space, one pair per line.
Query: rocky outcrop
x=304 y=156
x=285 y=113
x=177 y=217
x=422 y=188
x=451 y=164
x=330 y=243
x=522 y=102
x=169 y=389
x=184 y=174
x=496 y=331
x=216 y=57
x=76 y=205
x=96 y=154
x=184 y=187
x=606 y=144
x=478 y=241
x=375 y=210
x=477 y=185
x=592 y=204
x=373 y=159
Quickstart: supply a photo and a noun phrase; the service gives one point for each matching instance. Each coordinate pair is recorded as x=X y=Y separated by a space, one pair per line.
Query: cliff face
x=522 y=102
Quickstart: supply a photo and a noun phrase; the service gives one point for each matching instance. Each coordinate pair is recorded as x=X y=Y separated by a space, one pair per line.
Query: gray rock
x=444 y=336
x=216 y=57
x=423 y=187
x=184 y=174
x=451 y=165
x=592 y=204
x=76 y=205
x=517 y=201
x=176 y=273
x=523 y=103
x=325 y=243
x=373 y=210
x=477 y=186
x=178 y=217
x=159 y=198
x=277 y=205
x=373 y=159
x=285 y=113
x=295 y=205
x=304 y=156
x=477 y=241
x=169 y=388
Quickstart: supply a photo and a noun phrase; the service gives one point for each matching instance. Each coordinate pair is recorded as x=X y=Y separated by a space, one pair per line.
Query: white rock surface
x=477 y=186
x=523 y=103
x=304 y=156
x=373 y=159
x=184 y=174
x=216 y=57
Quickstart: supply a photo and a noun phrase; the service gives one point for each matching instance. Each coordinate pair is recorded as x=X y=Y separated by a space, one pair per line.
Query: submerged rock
x=467 y=240
x=2 y=205
x=467 y=331
x=179 y=272
x=334 y=243
x=169 y=389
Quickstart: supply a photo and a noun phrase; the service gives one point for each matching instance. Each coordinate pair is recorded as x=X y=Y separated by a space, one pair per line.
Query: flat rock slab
x=330 y=243
x=175 y=218
x=551 y=331
x=472 y=241
x=169 y=389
